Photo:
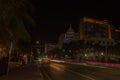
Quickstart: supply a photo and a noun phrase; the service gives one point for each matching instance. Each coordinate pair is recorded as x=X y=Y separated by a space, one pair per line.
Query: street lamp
x=37 y=42
x=106 y=44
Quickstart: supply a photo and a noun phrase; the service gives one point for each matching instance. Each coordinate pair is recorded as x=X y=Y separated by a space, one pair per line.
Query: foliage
x=13 y=16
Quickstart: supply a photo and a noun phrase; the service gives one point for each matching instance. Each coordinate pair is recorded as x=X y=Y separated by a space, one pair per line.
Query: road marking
x=81 y=74
x=90 y=78
x=46 y=75
x=55 y=67
x=84 y=64
x=97 y=66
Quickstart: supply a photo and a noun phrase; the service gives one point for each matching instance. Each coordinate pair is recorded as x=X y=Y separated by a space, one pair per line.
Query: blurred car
x=46 y=61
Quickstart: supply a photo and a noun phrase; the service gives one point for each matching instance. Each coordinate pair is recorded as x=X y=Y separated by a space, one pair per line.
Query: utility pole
x=106 y=50
x=9 y=57
x=45 y=50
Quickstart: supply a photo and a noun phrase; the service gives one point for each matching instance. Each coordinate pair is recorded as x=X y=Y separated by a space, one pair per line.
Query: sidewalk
x=28 y=72
x=14 y=65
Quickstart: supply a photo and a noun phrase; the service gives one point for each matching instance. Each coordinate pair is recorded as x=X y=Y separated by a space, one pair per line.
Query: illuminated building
x=92 y=29
x=99 y=34
x=70 y=35
x=67 y=37
x=117 y=34
x=97 y=31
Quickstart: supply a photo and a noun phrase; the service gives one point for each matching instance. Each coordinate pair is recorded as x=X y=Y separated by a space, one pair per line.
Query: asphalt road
x=61 y=71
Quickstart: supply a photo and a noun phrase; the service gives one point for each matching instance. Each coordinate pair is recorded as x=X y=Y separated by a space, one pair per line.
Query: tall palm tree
x=13 y=14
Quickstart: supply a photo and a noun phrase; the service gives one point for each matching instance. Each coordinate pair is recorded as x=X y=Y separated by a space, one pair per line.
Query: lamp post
x=106 y=50
x=9 y=56
x=107 y=43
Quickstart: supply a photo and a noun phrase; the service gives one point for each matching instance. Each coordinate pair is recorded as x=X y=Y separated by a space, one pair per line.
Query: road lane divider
x=46 y=76
x=61 y=67
x=90 y=78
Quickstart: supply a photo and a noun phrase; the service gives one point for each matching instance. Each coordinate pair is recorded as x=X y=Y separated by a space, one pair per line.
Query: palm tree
x=13 y=15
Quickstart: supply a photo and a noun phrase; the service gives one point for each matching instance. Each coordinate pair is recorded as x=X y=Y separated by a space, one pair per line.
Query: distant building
x=96 y=31
x=60 y=41
x=116 y=34
x=50 y=47
x=71 y=35
x=67 y=37
x=92 y=29
x=99 y=37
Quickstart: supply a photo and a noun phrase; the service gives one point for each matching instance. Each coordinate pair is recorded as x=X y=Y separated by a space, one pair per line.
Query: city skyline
x=52 y=19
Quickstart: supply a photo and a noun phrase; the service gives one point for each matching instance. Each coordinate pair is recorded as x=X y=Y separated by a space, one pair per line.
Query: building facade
x=67 y=37
x=97 y=31
x=71 y=35
x=92 y=29
x=100 y=35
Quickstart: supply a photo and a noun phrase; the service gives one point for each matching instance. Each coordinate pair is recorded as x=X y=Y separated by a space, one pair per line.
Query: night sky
x=54 y=17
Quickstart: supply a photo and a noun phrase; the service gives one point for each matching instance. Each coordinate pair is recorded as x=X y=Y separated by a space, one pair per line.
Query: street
x=61 y=71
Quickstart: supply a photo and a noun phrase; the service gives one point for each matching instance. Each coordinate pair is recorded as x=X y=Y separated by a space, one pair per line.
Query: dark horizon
x=52 y=19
